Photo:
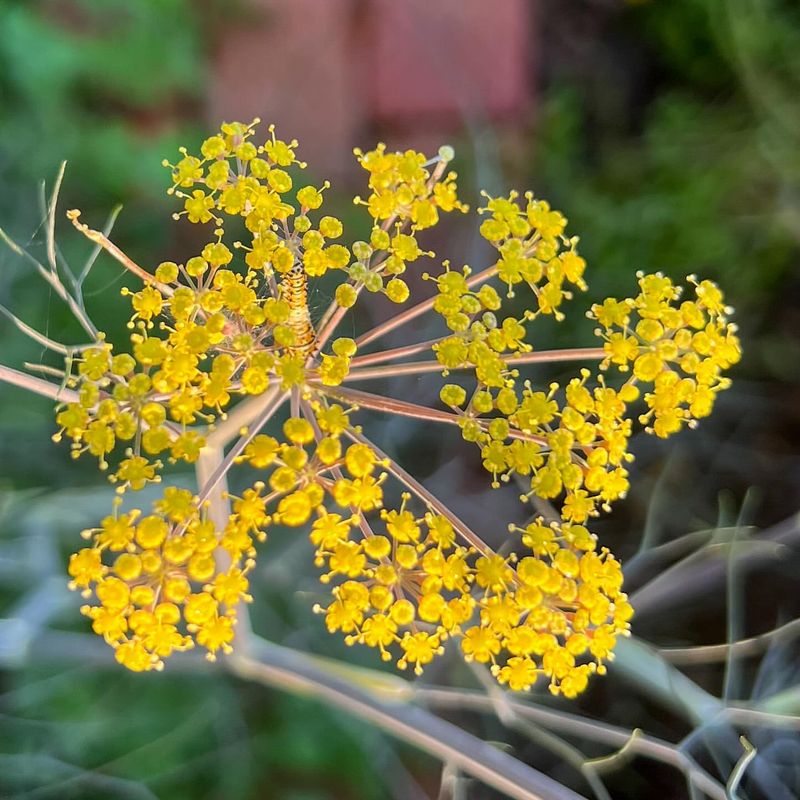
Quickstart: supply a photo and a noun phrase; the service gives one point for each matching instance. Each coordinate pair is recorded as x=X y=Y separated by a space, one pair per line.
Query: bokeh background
x=667 y=132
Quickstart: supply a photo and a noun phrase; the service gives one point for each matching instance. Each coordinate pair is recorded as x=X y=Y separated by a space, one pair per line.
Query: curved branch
x=707 y=654
x=279 y=667
x=589 y=729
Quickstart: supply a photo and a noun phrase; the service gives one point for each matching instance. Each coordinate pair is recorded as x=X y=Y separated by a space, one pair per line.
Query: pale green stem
x=707 y=654
x=642 y=665
x=219 y=512
x=276 y=666
x=580 y=727
x=37 y=385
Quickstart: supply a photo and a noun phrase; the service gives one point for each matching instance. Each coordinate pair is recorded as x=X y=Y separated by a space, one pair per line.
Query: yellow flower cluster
x=120 y=400
x=572 y=441
x=556 y=612
x=209 y=330
x=234 y=332
x=681 y=349
x=157 y=581
x=405 y=197
x=531 y=244
x=233 y=322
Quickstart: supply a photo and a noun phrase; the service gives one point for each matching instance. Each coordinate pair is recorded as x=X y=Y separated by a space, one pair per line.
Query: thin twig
x=103 y=241
x=504 y=711
x=733 y=623
x=613 y=760
x=762 y=717
x=55 y=283
x=417 y=310
x=61 y=374
x=423 y=367
x=702 y=577
x=51 y=219
x=393 y=468
x=32 y=333
x=708 y=654
x=575 y=725
x=737 y=774
x=655 y=558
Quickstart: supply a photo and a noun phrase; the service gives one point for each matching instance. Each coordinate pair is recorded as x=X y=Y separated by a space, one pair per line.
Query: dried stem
x=96 y=250
x=103 y=241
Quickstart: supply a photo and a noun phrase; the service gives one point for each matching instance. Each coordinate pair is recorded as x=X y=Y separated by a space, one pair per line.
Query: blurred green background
x=667 y=132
